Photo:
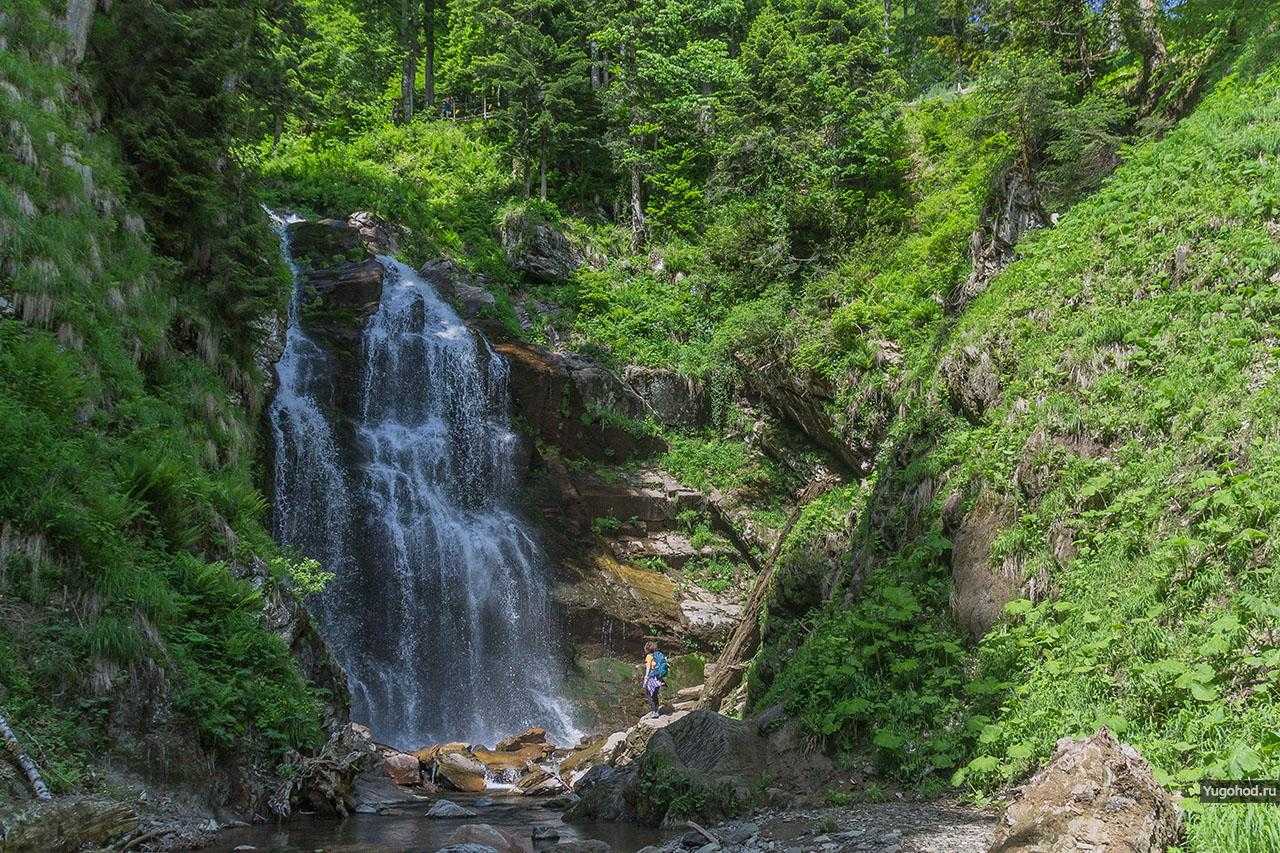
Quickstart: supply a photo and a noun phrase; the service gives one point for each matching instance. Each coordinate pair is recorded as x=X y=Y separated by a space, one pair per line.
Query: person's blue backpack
x=659 y=665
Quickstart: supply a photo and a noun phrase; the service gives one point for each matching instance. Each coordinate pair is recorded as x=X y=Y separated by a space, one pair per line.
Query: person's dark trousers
x=651 y=687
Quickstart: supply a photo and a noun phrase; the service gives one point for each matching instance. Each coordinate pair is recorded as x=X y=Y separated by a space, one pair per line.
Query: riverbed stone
x=489 y=836
x=508 y=761
x=461 y=771
x=540 y=782
x=447 y=809
x=402 y=768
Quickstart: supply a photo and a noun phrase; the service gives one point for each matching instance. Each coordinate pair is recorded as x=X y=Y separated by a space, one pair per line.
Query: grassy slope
x=125 y=488
x=1162 y=625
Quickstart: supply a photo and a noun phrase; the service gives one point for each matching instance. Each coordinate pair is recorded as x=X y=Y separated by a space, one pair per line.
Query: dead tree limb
x=24 y=761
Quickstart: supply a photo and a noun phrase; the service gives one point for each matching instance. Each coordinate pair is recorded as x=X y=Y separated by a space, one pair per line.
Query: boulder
x=427 y=755
x=377 y=235
x=501 y=762
x=401 y=767
x=979 y=590
x=674 y=399
x=637 y=738
x=726 y=759
x=461 y=771
x=488 y=836
x=603 y=796
x=533 y=736
x=467 y=292
x=539 y=782
x=1094 y=794
x=710 y=622
x=538 y=249
x=447 y=810
x=604 y=750
x=582 y=845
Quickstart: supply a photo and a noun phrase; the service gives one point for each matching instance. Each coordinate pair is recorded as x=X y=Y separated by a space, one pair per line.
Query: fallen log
x=742 y=646
x=24 y=761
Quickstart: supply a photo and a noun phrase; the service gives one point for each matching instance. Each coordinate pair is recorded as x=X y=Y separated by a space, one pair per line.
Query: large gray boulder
x=1094 y=794
x=719 y=760
x=538 y=249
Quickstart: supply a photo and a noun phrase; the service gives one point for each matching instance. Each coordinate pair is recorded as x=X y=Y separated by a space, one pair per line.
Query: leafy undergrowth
x=440 y=180
x=1136 y=347
x=125 y=487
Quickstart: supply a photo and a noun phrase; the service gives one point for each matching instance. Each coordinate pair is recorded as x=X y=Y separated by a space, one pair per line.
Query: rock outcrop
x=66 y=825
x=538 y=249
x=1013 y=209
x=979 y=589
x=576 y=405
x=1094 y=794
x=468 y=293
x=286 y=617
x=972 y=381
x=717 y=760
x=807 y=402
x=77 y=22
x=341 y=280
x=674 y=399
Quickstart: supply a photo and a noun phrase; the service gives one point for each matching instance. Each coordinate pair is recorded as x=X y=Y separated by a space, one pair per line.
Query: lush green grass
x=126 y=489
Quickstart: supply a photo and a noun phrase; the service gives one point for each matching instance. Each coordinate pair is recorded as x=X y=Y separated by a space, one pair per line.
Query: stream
x=409 y=830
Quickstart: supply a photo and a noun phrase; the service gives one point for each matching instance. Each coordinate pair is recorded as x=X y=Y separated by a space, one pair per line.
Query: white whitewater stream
x=440 y=608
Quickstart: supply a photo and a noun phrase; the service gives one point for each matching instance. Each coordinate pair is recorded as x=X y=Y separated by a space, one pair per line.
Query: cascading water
x=439 y=610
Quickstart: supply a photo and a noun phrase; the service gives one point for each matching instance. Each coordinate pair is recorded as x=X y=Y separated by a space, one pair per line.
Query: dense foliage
x=126 y=487
x=809 y=190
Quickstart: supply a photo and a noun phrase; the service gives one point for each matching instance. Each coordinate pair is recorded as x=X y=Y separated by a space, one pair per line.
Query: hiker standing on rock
x=655 y=674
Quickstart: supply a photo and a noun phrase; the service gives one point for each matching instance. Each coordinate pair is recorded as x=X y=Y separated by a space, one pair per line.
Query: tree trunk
x=409 y=34
x=24 y=761
x=596 y=81
x=637 y=145
x=737 y=653
x=429 y=71
x=542 y=174
x=1141 y=21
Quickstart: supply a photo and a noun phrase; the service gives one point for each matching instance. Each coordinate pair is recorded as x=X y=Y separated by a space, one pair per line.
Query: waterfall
x=440 y=610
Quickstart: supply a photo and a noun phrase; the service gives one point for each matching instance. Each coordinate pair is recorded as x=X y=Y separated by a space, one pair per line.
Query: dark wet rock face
x=674 y=399
x=577 y=405
x=1094 y=794
x=341 y=280
x=468 y=292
